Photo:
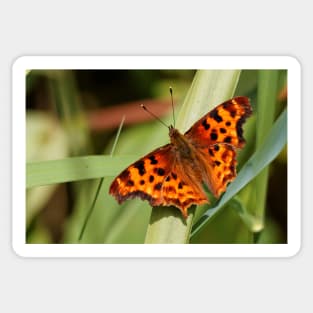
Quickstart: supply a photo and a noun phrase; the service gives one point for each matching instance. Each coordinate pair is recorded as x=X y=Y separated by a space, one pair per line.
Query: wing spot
x=180 y=185
x=159 y=171
x=130 y=183
x=216 y=147
x=213 y=136
x=227 y=104
x=151 y=178
x=239 y=128
x=223 y=130
x=214 y=114
x=158 y=186
x=227 y=139
x=211 y=152
x=232 y=113
x=174 y=175
x=205 y=124
x=153 y=160
x=228 y=123
x=140 y=165
x=168 y=178
x=217 y=163
x=142 y=182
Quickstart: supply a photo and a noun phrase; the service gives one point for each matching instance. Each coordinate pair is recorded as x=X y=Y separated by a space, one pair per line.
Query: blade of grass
x=75 y=169
x=100 y=184
x=253 y=197
x=267 y=99
x=68 y=107
x=272 y=146
x=208 y=89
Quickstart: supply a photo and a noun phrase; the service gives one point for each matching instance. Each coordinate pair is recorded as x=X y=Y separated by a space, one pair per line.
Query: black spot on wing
x=214 y=114
x=174 y=175
x=159 y=171
x=130 y=183
x=153 y=160
x=239 y=128
x=232 y=113
x=158 y=186
x=213 y=136
x=140 y=165
x=205 y=124
x=227 y=139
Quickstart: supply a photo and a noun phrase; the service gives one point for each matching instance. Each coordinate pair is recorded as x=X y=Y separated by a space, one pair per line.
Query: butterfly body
x=175 y=173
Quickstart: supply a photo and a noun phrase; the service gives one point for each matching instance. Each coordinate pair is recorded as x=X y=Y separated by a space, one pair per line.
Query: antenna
x=171 y=92
x=145 y=108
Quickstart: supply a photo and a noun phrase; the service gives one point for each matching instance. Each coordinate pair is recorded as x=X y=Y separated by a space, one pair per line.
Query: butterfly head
x=172 y=131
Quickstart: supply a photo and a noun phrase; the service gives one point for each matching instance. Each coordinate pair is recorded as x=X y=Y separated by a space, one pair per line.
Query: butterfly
x=174 y=174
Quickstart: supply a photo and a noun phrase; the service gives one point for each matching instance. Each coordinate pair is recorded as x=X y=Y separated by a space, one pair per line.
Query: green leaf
x=74 y=169
x=267 y=103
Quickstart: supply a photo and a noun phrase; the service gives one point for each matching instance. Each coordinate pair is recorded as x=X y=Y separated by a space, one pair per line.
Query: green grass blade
x=75 y=169
x=100 y=184
x=88 y=215
x=267 y=103
x=208 y=89
x=272 y=146
x=70 y=111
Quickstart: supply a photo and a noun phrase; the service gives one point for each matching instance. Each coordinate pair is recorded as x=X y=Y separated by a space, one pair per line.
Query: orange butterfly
x=206 y=153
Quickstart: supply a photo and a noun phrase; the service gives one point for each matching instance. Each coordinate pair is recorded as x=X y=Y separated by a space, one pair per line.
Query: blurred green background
x=77 y=113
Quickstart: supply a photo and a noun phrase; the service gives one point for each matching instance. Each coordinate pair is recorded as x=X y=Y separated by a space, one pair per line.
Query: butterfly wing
x=216 y=136
x=222 y=125
x=144 y=178
x=182 y=189
x=218 y=166
x=158 y=178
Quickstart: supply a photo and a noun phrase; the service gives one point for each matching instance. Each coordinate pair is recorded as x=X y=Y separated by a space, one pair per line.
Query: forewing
x=222 y=125
x=145 y=177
